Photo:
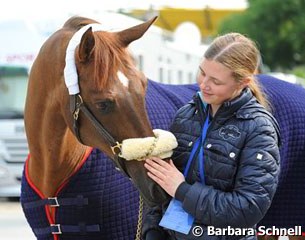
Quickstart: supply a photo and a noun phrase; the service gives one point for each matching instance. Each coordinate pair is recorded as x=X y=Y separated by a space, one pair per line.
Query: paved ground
x=13 y=225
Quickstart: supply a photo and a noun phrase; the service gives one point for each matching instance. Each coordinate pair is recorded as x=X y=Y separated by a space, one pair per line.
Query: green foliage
x=299 y=71
x=277 y=26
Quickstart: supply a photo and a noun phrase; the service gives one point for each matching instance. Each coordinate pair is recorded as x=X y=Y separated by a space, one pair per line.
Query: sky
x=41 y=9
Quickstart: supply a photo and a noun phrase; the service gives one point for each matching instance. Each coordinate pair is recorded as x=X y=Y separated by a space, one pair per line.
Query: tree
x=277 y=26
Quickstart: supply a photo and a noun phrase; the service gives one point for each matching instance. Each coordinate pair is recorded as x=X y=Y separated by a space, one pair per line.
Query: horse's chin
x=151 y=192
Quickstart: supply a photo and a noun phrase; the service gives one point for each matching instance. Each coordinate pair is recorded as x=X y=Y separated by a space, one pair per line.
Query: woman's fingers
x=161 y=162
x=155 y=178
x=155 y=168
x=164 y=173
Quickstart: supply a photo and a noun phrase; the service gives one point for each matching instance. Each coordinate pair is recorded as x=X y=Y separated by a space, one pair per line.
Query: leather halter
x=76 y=105
x=76 y=101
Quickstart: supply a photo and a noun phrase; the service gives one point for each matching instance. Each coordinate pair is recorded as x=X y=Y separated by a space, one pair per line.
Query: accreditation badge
x=175 y=218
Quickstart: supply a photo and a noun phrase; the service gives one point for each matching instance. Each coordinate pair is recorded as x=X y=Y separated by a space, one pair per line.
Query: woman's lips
x=205 y=94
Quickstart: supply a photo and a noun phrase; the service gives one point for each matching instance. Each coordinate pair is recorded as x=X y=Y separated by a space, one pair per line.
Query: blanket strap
x=57 y=229
x=56 y=202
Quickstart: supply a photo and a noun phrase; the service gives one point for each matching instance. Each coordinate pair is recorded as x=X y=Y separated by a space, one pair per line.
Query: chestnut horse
x=67 y=115
x=112 y=90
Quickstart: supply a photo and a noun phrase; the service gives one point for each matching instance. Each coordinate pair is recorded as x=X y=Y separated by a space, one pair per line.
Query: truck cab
x=13 y=143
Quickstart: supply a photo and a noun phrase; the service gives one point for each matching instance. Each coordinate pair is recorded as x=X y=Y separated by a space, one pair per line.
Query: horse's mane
x=110 y=56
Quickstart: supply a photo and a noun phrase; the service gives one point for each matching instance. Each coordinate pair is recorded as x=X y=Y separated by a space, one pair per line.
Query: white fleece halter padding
x=161 y=145
x=70 y=73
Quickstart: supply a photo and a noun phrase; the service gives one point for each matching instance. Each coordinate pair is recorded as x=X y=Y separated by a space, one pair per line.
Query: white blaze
x=124 y=80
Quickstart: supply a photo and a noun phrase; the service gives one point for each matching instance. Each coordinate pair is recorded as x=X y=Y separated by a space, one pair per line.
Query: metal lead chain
x=140 y=219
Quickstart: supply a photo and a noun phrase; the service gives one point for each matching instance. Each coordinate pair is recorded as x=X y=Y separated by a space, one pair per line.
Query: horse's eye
x=105 y=106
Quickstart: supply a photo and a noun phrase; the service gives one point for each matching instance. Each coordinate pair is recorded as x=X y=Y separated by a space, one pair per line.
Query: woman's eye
x=105 y=106
x=216 y=81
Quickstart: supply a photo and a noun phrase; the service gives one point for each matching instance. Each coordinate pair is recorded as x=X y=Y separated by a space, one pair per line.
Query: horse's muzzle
x=151 y=192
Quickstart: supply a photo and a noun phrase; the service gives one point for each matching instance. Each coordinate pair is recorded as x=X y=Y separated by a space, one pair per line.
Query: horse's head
x=110 y=104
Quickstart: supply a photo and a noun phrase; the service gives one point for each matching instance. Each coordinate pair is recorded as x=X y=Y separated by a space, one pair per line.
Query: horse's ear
x=86 y=46
x=131 y=34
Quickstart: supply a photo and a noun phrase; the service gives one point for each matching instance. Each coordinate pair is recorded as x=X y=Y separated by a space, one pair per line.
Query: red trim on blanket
x=29 y=179
x=41 y=195
x=38 y=192
x=87 y=154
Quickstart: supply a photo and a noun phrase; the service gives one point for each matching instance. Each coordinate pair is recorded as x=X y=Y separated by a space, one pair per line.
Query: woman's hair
x=241 y=55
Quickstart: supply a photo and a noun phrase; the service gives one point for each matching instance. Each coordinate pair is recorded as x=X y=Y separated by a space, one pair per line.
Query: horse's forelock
x=110 y=57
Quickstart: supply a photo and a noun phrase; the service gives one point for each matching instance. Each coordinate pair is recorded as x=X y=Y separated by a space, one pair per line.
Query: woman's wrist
x=181 y=191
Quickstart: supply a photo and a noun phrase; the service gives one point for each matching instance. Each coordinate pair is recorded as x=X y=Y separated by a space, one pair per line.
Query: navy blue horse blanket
x=98 y=202
x=288 y=206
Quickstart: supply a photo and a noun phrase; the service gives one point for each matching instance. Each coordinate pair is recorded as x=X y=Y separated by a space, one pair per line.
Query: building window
x=161 y=74
x=169 y=76
x=180 y=76
x=190 y=77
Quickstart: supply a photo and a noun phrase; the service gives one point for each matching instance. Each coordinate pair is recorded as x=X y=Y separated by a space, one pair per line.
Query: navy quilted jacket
x=242 y=158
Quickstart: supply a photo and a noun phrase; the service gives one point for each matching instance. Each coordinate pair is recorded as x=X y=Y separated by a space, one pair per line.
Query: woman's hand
x=165 y=174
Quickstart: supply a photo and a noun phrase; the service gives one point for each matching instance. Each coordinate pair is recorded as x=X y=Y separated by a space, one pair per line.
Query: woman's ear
x=245 y=82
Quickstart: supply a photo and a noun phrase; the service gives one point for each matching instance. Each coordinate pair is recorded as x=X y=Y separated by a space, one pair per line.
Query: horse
x=84 y=92
x=73 y=187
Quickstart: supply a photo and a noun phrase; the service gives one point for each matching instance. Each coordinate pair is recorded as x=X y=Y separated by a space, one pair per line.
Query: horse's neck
x=55 y=154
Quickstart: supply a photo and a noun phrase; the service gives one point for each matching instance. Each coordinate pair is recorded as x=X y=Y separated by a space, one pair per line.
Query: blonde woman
x=224 y=173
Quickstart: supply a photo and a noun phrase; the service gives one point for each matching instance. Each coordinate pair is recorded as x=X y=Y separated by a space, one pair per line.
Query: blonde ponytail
x=258 y=93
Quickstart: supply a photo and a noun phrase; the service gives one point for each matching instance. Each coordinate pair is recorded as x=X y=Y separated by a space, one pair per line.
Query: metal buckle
x=55 y=200
x=58 y=230
x=77 y=106
x=75 y=114
x=117 y=146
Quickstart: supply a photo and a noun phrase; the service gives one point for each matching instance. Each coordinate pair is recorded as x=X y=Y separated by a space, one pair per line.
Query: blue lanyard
x=198 y=143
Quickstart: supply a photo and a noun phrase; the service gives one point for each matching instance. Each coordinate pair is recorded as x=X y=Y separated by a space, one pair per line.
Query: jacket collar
x=228 y=107
x=236 y=103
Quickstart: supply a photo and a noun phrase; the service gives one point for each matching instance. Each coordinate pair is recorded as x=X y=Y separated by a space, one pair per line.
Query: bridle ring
x=117 y=147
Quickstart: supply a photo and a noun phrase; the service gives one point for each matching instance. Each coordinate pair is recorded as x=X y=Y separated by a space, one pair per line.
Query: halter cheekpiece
x=76 y=101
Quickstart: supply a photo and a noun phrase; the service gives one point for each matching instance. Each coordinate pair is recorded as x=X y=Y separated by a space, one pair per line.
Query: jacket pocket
x=221 y=160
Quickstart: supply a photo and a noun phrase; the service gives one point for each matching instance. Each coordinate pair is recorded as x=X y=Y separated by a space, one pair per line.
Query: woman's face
x=216 y=83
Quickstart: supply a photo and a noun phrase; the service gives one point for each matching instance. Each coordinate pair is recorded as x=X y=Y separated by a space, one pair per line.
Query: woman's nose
x=203 y=83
